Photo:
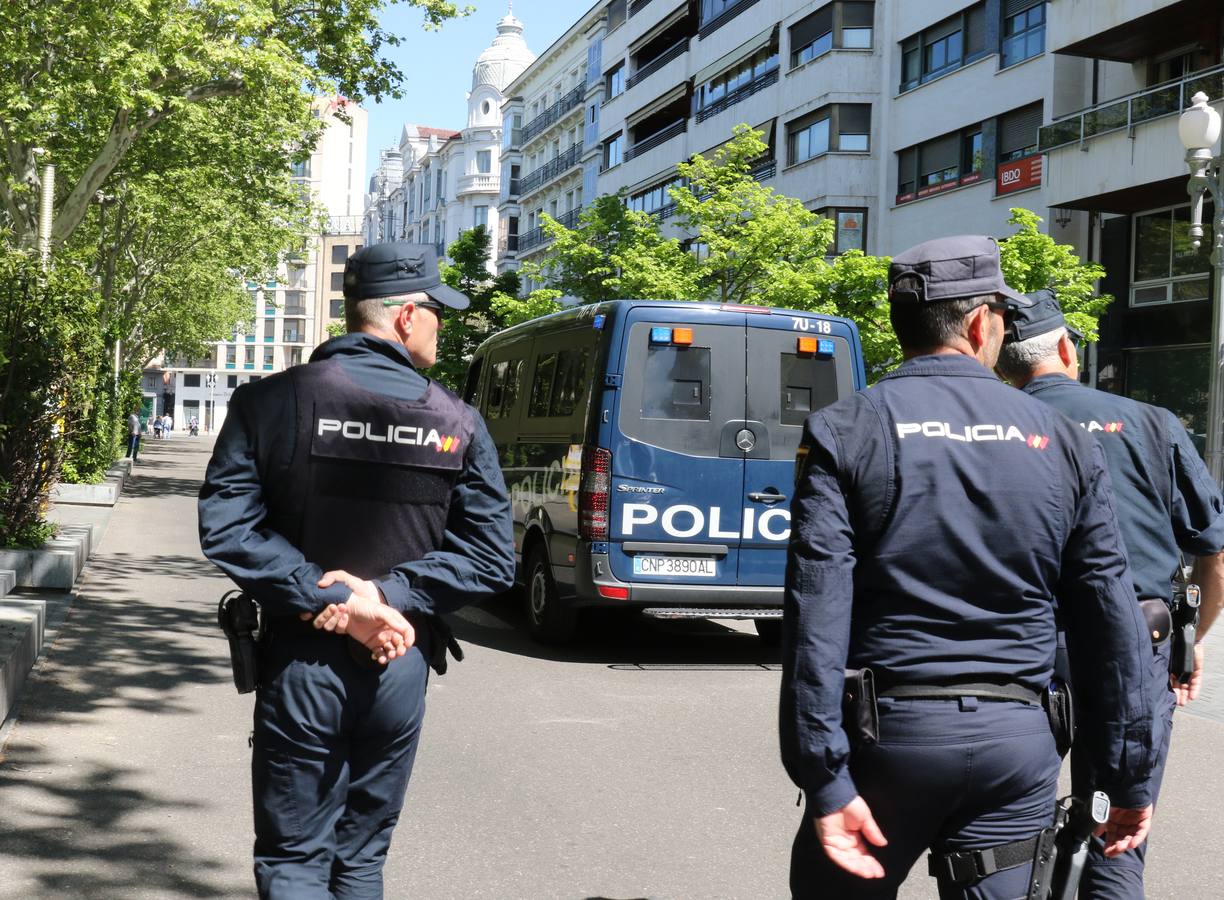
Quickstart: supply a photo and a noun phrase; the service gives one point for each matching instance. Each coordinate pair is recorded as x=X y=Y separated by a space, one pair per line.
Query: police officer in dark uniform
x=1167 y=505
x=936 y=516
x=356 y=500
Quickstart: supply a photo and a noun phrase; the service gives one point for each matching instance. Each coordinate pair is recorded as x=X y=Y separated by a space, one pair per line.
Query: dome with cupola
x=506 y=58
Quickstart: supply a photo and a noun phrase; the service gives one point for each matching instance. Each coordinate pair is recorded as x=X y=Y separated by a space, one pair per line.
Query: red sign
x=1018 y=174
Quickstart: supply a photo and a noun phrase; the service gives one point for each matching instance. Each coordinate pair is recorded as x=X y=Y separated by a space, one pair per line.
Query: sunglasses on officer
x=432 y=305
x=1007 y=309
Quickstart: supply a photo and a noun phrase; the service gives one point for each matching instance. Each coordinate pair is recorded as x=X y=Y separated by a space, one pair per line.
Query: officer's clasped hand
x=365 y=618
x=842 y=836
x=1125 y=829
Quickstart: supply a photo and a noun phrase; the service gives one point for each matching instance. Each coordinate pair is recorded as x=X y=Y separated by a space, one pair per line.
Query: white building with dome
x=438 y=183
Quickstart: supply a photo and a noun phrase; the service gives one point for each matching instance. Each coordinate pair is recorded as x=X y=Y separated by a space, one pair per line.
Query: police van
x=649 y=451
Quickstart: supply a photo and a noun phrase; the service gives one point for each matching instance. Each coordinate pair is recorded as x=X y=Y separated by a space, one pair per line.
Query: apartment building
x=547 y=159
x=440 y=183
x=291 y=310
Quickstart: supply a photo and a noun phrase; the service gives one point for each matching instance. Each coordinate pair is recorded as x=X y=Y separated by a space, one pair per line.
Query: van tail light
x=593 y=488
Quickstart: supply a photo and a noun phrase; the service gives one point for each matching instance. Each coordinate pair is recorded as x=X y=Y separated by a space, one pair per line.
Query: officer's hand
x=1187 y=692
x=841 y=834
x=1125 y=829
x=366 y=590
x=383 y=630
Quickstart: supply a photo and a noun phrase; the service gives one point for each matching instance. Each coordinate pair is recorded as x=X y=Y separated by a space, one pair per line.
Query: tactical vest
x=370 y=481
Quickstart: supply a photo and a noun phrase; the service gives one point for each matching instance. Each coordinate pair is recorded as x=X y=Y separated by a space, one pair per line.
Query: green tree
x=1032 y=261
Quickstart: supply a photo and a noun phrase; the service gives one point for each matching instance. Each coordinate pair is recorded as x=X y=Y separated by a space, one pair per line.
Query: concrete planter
x=104 y=494
x=54 y=566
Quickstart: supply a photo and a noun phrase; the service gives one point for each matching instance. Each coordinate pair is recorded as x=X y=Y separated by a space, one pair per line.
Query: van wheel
x=769 y=631
x=549 y=620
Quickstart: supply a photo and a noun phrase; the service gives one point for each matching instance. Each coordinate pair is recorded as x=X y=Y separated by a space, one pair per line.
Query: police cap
x=1043 y=315
x=950 y=268
x=388 y=270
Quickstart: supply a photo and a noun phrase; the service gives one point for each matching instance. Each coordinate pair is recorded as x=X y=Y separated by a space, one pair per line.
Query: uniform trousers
x=1121 y=878
x=949 y=775
x=334 y=745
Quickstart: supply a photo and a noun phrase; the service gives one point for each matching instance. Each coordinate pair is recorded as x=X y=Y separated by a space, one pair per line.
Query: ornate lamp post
x=1199 y=130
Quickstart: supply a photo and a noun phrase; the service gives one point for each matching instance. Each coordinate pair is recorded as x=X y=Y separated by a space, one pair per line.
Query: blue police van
x=649 y=451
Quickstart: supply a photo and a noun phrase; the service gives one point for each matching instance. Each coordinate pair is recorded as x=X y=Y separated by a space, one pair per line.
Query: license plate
x=693 y=567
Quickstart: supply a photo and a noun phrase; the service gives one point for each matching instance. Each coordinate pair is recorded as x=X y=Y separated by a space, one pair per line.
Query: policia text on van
x=649 y=448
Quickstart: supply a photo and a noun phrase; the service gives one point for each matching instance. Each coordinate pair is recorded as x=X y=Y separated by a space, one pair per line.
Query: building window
x=335 y=309
x=441 y=184
x=484 y=161
x=339 y=254
x=301 y=169
x=480 y=216
x=850 y=229
x=337 y=281
x=836 y=25
x=1017 y=132
x=511 y=128
x=614 y=81
x=614 y=151
x=940 y=164
x=1023 y=31
x=231 y=355
x=268 y=358
x=944 y=47
x=231 y=381
x=844 y=127
x=191 y=381
x=1166 y=268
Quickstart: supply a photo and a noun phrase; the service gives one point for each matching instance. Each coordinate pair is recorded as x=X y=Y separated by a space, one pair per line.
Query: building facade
x=438 y=183
x=290 y=311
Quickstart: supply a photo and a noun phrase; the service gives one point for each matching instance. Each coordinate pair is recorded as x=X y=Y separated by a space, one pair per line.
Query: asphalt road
x=640 y=764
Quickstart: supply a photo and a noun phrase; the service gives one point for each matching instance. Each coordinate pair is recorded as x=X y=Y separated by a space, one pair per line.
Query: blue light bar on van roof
x=825 y=347
x=660 y=335
x=599 y=321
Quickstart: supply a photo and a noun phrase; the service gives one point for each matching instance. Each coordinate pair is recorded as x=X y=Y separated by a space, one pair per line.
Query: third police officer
x=936 y=517
x=1167 y=505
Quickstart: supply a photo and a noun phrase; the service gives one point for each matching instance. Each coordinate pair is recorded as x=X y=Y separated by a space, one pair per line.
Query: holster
x=1185 y=619
x=860 y=715
x=239 y=617
x=1158 y=618
x=1060 y=708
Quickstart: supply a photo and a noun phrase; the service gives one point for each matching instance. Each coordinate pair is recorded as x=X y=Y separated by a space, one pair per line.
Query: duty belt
x=981 y=690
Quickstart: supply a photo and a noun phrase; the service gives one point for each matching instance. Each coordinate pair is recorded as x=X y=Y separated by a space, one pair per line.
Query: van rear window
x=559 y=382
x=677 y=384
x=503 y=387
x=808 y=383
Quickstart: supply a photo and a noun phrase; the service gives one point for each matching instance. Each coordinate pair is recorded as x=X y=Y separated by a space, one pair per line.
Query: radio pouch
x=860 y=716
x=1159 y=620
x=1060 y=708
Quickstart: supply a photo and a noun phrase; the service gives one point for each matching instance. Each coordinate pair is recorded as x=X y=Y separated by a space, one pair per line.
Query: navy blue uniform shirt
x=935 y=518
x=478 y=545
x=1167 y=500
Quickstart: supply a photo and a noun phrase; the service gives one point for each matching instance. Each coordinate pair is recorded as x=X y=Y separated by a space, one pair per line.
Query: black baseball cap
x=1043 y=315
x=388 y=270
x=950 y=268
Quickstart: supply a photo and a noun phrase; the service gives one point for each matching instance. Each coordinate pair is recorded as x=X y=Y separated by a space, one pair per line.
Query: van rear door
x=677 y=475
x=786 y=382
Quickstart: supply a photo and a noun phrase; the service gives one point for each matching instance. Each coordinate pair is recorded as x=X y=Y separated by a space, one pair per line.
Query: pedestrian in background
x=134 y=429
x=157 y=426
x=167 y=424
x=1167 y=505
x=352 y=494
x=936 y=516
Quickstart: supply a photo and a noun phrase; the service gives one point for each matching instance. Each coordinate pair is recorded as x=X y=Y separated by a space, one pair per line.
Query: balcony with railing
x=741 y=93
x=551 y=170
x=652 y=65
x=478 y=183
x=656 y=139
x=554 y=113
x=536 y=236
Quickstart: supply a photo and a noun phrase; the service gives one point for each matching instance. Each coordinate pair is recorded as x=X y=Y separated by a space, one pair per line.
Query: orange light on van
x=807 y=346
x=682 y=336
x=613 y=593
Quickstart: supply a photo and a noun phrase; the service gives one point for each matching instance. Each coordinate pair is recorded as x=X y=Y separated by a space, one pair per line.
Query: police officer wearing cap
x=357 y=501
x=1167 y=505
x=936 y=516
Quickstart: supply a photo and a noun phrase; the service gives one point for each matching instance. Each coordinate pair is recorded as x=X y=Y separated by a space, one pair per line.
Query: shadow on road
x=77 y=837
x=620 y=639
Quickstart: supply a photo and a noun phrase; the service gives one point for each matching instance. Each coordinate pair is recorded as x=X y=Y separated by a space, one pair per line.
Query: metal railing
x=537 y=125
x=1153 y=103
x=711 y=25
x=654 y=140
x=740 y=93
x=675 y=50
x=551 y=169
x=637 y=6
x=766 y=168
x=537 y=236
x=343 y=224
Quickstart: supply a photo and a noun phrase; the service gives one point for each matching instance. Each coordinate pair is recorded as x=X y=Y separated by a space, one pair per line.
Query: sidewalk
x=126 y=774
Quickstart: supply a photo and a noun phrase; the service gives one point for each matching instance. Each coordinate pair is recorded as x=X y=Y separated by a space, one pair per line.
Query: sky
x=437 y=65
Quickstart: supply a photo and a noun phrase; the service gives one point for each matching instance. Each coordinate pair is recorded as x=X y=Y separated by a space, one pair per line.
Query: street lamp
x=210 y=381
x=1199 y=129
